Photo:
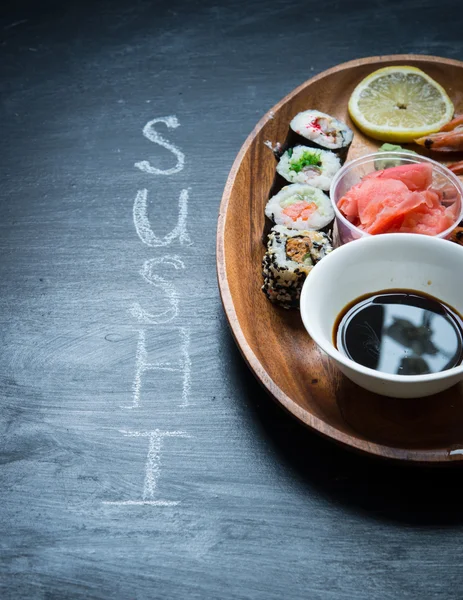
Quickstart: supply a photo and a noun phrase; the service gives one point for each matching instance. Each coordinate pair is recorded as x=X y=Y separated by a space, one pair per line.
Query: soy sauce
x=403 y=332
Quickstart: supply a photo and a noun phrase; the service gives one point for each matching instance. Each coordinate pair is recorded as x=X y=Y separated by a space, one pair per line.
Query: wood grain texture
x=268 y=511
x=273 y=340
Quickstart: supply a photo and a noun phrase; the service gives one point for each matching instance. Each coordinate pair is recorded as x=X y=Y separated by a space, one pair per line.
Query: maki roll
x=308 y=165
x=289 y=259
x=322 y=129
x=300 y=206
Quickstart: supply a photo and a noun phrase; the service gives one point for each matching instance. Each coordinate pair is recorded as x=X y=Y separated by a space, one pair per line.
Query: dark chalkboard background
x=265 y=509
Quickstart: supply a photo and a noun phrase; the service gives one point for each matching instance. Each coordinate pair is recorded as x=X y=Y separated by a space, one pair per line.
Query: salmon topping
x=300 y=210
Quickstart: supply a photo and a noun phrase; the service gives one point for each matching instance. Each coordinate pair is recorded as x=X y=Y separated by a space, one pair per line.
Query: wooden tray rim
x=313 y=422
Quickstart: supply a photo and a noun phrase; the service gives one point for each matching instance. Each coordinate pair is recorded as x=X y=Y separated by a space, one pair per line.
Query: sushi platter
x=263 y=230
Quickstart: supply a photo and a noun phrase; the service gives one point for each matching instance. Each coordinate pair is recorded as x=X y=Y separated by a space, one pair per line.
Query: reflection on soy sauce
x=402 y=332
x=413 y=365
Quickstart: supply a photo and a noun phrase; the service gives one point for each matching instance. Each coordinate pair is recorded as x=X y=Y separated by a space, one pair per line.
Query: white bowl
x=373 y=264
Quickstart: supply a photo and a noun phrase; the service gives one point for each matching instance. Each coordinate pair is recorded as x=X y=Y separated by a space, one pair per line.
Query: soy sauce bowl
x=373 y=264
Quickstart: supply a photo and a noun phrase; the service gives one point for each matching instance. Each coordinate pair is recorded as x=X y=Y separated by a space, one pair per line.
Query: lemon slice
x=399 y=104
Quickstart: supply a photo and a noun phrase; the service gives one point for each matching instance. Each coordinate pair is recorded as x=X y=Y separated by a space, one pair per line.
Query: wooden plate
x=273 y=341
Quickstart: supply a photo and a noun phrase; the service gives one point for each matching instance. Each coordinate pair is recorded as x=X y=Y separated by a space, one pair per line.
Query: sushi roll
x=322 y=129
x=308 y=165
x=289 y=259
x=300 y=206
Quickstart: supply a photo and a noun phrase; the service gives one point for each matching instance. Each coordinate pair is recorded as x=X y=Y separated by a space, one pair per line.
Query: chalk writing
x=186 y=365
x=141 y=502
x=143 y=227
x=142 y=365
x=171 y=293
x=152 y=467
x=151 y=134
x=182 y=364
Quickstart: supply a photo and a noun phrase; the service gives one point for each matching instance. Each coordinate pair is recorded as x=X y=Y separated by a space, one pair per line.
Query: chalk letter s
x=146 y=272
x=151 y=134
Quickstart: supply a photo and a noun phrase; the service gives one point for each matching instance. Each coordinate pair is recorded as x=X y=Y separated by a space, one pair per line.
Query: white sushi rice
x=319 y=174
x=322 y=129
x=296 y=193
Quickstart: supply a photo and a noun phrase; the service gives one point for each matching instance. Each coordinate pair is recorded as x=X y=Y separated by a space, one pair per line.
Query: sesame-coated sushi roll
x=322 y=129
x=309 y=165
x=289 y=259
x=300 y=206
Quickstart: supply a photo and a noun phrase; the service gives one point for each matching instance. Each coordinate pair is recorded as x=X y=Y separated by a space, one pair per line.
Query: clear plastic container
x=352 y=172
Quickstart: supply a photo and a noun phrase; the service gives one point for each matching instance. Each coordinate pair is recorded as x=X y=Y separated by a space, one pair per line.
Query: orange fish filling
x=300 y=210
